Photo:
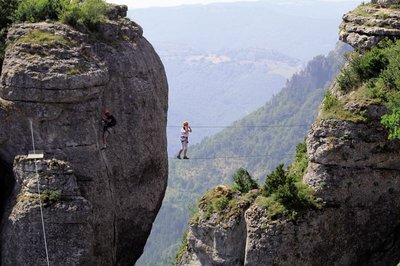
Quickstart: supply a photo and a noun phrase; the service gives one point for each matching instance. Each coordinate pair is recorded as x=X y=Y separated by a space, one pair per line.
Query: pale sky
x=153 y=3
x=162 y=3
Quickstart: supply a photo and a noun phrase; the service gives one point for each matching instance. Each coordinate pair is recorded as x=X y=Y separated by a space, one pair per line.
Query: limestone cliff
x=354 y=171
x=105 y=202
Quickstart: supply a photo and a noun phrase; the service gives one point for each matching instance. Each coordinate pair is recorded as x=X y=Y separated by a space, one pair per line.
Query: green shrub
x=3 y=46
x=49 y=196
x=7 y=8
x=330 y=101
x=182 y=247
x=375 y=91
x=274 y=180
x=274 y=207
x=243 y=181
x=221 y=203
x=371 y=64
x=287 y=193
x=300 y=163
x=347 y=79
x=363 y=67
x=72 y=14
x=89 y=13
x=284 y=191
x=392 y=122
x=391 y=75
x=38 y=10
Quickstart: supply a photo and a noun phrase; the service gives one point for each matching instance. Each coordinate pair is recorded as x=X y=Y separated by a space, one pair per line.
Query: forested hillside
x=258 y=142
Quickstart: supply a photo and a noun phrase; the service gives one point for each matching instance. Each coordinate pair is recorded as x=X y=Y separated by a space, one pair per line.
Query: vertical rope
x=40 y=198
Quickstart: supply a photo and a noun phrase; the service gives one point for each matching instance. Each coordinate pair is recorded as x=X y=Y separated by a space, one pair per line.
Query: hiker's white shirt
x=184 y=133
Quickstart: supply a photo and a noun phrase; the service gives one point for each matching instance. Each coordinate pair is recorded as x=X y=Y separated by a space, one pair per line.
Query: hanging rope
x=40 y=198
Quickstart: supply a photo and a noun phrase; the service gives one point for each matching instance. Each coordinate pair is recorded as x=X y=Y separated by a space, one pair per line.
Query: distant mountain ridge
x=299 y=29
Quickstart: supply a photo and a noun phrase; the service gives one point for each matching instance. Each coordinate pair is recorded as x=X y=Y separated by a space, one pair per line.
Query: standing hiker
x=186 y=129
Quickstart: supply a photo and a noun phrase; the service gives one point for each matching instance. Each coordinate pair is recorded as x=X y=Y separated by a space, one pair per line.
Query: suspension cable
x=232 y=157
x=250 y=126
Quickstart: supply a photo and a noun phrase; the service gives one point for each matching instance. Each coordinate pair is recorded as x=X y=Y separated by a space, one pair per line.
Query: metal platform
x=35 y=154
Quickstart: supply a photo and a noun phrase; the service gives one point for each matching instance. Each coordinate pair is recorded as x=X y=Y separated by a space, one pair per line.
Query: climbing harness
x=39 y=155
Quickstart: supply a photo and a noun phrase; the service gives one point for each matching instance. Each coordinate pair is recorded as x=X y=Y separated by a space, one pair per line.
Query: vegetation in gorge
x=284 y=192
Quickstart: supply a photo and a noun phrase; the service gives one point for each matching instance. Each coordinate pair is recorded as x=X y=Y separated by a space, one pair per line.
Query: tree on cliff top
x=243 y=181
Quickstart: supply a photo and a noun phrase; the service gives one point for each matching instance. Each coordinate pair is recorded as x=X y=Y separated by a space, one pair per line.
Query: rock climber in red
x=108 y=122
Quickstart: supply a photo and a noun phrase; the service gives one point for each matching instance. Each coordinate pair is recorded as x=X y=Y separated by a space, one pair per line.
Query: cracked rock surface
x=61 y=79
x=370 y=23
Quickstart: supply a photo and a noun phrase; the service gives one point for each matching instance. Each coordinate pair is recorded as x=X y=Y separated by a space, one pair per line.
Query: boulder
x=60 y=80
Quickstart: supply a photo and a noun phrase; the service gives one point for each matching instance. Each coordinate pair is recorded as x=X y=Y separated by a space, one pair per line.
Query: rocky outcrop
x=218 y=238
x=60 y=80
x=68 y=216
x=370 y=23
x=386 y=3
x=354 y=171
x=352 y=168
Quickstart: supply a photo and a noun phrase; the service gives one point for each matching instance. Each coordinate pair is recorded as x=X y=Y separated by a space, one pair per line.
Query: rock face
x=370 y=23
x=68 y=216
x=354 y=170
x=60 y=80
x=386 y=3
x=220 y=239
